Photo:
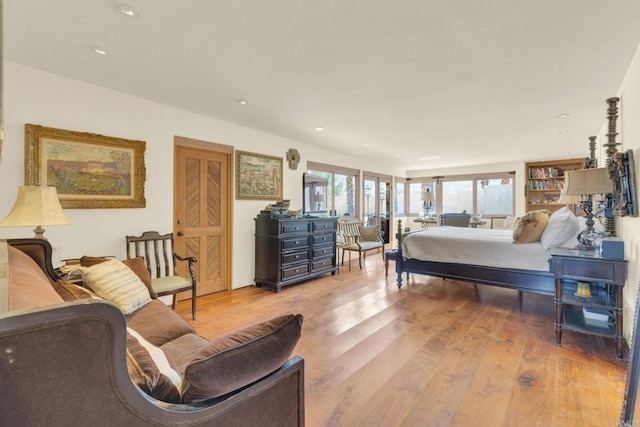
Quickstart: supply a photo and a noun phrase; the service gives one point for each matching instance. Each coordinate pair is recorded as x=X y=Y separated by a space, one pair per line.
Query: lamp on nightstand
x=586 y=183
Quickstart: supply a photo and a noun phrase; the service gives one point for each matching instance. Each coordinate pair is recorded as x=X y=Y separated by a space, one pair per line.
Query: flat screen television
x=314 y=194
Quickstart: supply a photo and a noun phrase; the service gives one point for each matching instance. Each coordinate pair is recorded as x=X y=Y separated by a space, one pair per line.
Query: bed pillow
x=530 y=227
x=562 y=225
x=115 y=282
x=240 y=358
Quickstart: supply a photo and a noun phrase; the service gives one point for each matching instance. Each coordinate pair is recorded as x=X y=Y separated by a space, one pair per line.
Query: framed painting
x=88 y=170
x=258 y=176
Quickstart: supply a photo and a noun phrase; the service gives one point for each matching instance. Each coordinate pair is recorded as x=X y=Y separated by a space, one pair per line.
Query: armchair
x=158 y=252
x=360 y=238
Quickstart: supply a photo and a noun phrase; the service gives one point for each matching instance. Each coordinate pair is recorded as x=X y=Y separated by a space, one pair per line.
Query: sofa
x=70 y=359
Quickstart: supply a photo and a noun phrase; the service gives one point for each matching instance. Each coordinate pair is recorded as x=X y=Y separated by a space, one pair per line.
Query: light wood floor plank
x=434 y=353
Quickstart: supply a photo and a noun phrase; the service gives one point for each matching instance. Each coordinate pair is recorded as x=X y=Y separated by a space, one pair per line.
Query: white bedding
x=476 y=246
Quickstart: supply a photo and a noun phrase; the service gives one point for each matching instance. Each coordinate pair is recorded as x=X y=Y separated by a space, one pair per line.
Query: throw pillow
x=240 y=358
x=562 y=225
x=137 y=265
x=72 y=292
x=115 y=282
x=369 y=233
x=151 y=370
x=530 y=227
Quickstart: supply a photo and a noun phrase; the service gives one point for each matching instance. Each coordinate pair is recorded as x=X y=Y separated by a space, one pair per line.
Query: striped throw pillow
x=115 y=282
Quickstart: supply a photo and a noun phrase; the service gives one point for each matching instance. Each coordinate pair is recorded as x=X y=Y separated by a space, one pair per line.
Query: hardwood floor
x=435 y=353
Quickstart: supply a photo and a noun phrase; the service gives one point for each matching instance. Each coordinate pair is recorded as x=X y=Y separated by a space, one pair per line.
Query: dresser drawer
x=326 y=225
x=295 y=243
x=291 y=257
x=323 y=251
x=322 y=263
x=294 y=227
x=297 y=270
x=324 y=238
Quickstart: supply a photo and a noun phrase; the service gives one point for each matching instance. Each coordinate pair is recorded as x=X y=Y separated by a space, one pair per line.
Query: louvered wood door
x=202 y=211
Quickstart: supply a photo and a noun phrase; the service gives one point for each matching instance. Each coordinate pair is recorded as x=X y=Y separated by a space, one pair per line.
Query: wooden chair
x=157 y=250
x=360 y=238
x=455 y=219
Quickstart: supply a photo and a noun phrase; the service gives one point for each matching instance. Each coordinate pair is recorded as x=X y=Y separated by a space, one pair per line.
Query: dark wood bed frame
x=540 y=282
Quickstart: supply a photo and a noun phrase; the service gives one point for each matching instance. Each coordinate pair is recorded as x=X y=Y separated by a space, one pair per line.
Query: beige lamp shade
x=427 y=196
x=569 y=199
x=586 y=182
x=36 y=206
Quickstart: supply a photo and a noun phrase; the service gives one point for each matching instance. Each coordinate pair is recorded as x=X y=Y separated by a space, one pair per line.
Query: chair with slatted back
x=161 y=260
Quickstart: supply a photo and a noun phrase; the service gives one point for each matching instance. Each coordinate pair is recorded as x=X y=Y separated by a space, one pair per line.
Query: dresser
x=290 y=250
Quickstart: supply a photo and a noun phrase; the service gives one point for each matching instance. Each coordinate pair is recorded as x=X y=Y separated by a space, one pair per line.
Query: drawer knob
x=297 y=256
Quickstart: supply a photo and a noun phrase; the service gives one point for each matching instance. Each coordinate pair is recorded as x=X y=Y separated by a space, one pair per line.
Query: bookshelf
x=545 y=180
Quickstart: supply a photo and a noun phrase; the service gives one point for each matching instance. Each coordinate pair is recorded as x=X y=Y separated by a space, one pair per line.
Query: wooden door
x=202 y=220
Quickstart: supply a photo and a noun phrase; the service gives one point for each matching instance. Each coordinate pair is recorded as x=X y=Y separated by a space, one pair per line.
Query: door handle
x=180 y=233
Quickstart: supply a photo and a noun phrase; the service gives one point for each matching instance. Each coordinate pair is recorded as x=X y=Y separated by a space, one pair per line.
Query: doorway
x=377 y=202
x=202 y=210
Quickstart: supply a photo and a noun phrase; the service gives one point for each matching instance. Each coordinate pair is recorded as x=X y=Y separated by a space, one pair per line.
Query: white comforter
x=477 y=246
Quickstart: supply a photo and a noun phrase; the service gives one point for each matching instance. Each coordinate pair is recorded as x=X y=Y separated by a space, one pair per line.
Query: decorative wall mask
x=293 y=157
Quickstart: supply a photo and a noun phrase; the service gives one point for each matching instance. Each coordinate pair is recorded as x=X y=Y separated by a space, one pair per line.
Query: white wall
x=33 y=96
x=629 y=227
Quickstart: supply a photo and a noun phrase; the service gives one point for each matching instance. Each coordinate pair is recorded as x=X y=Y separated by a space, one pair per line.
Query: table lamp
x=36 y=206
x=427 y=200
x=586 y=183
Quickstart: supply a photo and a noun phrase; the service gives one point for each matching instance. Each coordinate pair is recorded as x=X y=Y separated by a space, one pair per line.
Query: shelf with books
x=545 y=181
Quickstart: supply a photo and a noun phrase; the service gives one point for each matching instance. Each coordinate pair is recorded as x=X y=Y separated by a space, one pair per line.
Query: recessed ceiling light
x=562 y=116
x=429 y=158
x=562 y=132
x=241 y=102
x=129 y=11
x=319 y=129
x=100 y=51
x=397 y=155
x=366 y=145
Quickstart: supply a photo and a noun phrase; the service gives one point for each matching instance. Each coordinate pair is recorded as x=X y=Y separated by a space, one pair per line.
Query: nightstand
x=605 y=278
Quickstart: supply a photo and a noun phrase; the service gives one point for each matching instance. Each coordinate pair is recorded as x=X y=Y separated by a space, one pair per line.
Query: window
x=457 y=196
x=495 y=196
x=399 y=198
x=489 y=195
x=342 y=190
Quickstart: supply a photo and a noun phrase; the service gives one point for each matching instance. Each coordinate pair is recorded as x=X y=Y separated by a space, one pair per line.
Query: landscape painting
x=258 y=176
x=88 y=170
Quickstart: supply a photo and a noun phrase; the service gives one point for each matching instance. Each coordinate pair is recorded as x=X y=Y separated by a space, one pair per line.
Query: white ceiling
x=439 y=83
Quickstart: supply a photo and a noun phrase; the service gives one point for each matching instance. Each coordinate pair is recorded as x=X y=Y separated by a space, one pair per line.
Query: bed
x=486 y=256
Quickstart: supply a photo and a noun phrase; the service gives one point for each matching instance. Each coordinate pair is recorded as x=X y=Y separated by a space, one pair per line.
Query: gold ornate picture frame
x=90 y=171
x=258 y=176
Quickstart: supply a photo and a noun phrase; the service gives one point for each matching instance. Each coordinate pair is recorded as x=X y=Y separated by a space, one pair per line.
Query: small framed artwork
x=258 y=176
x=88 y=170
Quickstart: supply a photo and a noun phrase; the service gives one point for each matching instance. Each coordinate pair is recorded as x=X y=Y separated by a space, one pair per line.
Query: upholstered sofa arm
x=66 y=365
